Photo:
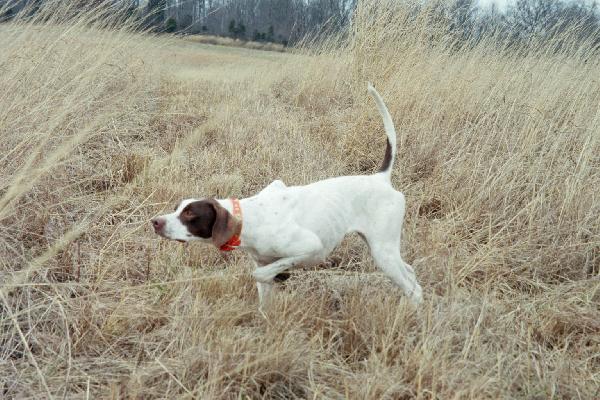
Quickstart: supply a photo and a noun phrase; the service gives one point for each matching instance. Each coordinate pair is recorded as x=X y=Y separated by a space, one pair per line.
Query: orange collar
x=235 y=240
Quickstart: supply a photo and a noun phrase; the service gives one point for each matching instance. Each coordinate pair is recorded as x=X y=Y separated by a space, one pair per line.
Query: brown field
x=498 y=156
x=225 y=41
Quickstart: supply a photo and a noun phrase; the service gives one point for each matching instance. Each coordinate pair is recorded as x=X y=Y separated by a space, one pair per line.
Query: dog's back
x=333 y=207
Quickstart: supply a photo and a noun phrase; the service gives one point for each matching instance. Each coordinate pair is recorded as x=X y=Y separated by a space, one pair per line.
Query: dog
x=282 y=226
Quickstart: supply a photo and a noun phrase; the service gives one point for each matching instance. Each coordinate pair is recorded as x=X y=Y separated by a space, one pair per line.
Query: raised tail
x=390 y=150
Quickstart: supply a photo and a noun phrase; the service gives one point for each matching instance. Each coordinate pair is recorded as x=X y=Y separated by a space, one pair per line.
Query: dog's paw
x=416 y=296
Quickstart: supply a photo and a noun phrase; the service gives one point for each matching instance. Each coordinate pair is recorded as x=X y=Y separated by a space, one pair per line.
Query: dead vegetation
x=226 y=41
x=102 y=129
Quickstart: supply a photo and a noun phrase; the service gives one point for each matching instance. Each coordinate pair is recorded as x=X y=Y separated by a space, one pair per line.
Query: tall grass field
x=103 y=126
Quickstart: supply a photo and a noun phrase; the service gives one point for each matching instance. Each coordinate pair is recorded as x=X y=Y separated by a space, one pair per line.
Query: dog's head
x=194 y=219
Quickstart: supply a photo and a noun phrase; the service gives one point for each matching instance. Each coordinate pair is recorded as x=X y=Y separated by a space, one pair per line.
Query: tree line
x=284 y=21
x=288 y=21
x=524 y=21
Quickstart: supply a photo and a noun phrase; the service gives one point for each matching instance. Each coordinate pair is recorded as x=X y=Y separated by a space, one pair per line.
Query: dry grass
x=498 y=157
x=225 y=41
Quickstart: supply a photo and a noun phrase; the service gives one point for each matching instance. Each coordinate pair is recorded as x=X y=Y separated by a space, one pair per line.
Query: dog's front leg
x=306 y=247
x=267 y=273
x=264 y=289
x=264 y=294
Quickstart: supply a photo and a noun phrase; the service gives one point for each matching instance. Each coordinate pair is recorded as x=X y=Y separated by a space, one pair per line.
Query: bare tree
x=273 y=20
x=532 y=18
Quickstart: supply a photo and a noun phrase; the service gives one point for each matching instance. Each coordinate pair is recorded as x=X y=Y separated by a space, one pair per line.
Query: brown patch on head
x=199 y=218
x=226 y=225
x=208 y=219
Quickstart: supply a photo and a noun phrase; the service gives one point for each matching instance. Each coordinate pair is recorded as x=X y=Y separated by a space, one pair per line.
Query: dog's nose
x=158 y=223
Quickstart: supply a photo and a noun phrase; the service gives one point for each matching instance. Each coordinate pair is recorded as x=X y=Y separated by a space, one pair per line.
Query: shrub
x=170 y=25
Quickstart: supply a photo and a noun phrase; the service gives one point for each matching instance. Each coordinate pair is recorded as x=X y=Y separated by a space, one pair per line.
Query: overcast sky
x=500 y=3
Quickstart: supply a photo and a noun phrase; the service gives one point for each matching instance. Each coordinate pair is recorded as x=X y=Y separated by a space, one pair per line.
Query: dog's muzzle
x=158 y=224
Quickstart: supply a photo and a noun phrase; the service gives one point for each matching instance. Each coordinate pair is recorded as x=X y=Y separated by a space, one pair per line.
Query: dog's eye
x=187 y=214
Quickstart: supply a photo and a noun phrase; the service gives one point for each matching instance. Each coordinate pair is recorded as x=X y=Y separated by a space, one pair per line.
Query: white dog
x=287 y=226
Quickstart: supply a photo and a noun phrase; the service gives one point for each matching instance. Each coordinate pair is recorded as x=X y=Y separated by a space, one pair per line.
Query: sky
x=500 y=3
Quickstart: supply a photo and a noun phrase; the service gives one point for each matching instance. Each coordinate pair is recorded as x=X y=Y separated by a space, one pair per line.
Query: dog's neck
x=227 y=204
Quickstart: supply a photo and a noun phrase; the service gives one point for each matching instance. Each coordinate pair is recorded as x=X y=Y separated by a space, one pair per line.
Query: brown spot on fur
x=226 y=225
x=199 y=218
x=387 y=159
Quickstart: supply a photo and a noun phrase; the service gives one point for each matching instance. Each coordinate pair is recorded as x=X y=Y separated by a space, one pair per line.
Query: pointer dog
x=287 y=226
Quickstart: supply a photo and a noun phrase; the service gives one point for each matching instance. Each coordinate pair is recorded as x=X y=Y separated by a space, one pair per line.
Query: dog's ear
x=225 y=226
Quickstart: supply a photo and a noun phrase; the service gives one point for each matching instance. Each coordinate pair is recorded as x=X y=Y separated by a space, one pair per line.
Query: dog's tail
x=390 y=150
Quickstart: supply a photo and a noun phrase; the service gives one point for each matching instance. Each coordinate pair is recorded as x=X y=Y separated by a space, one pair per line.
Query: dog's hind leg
x=387 y=257
x=383 y=235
